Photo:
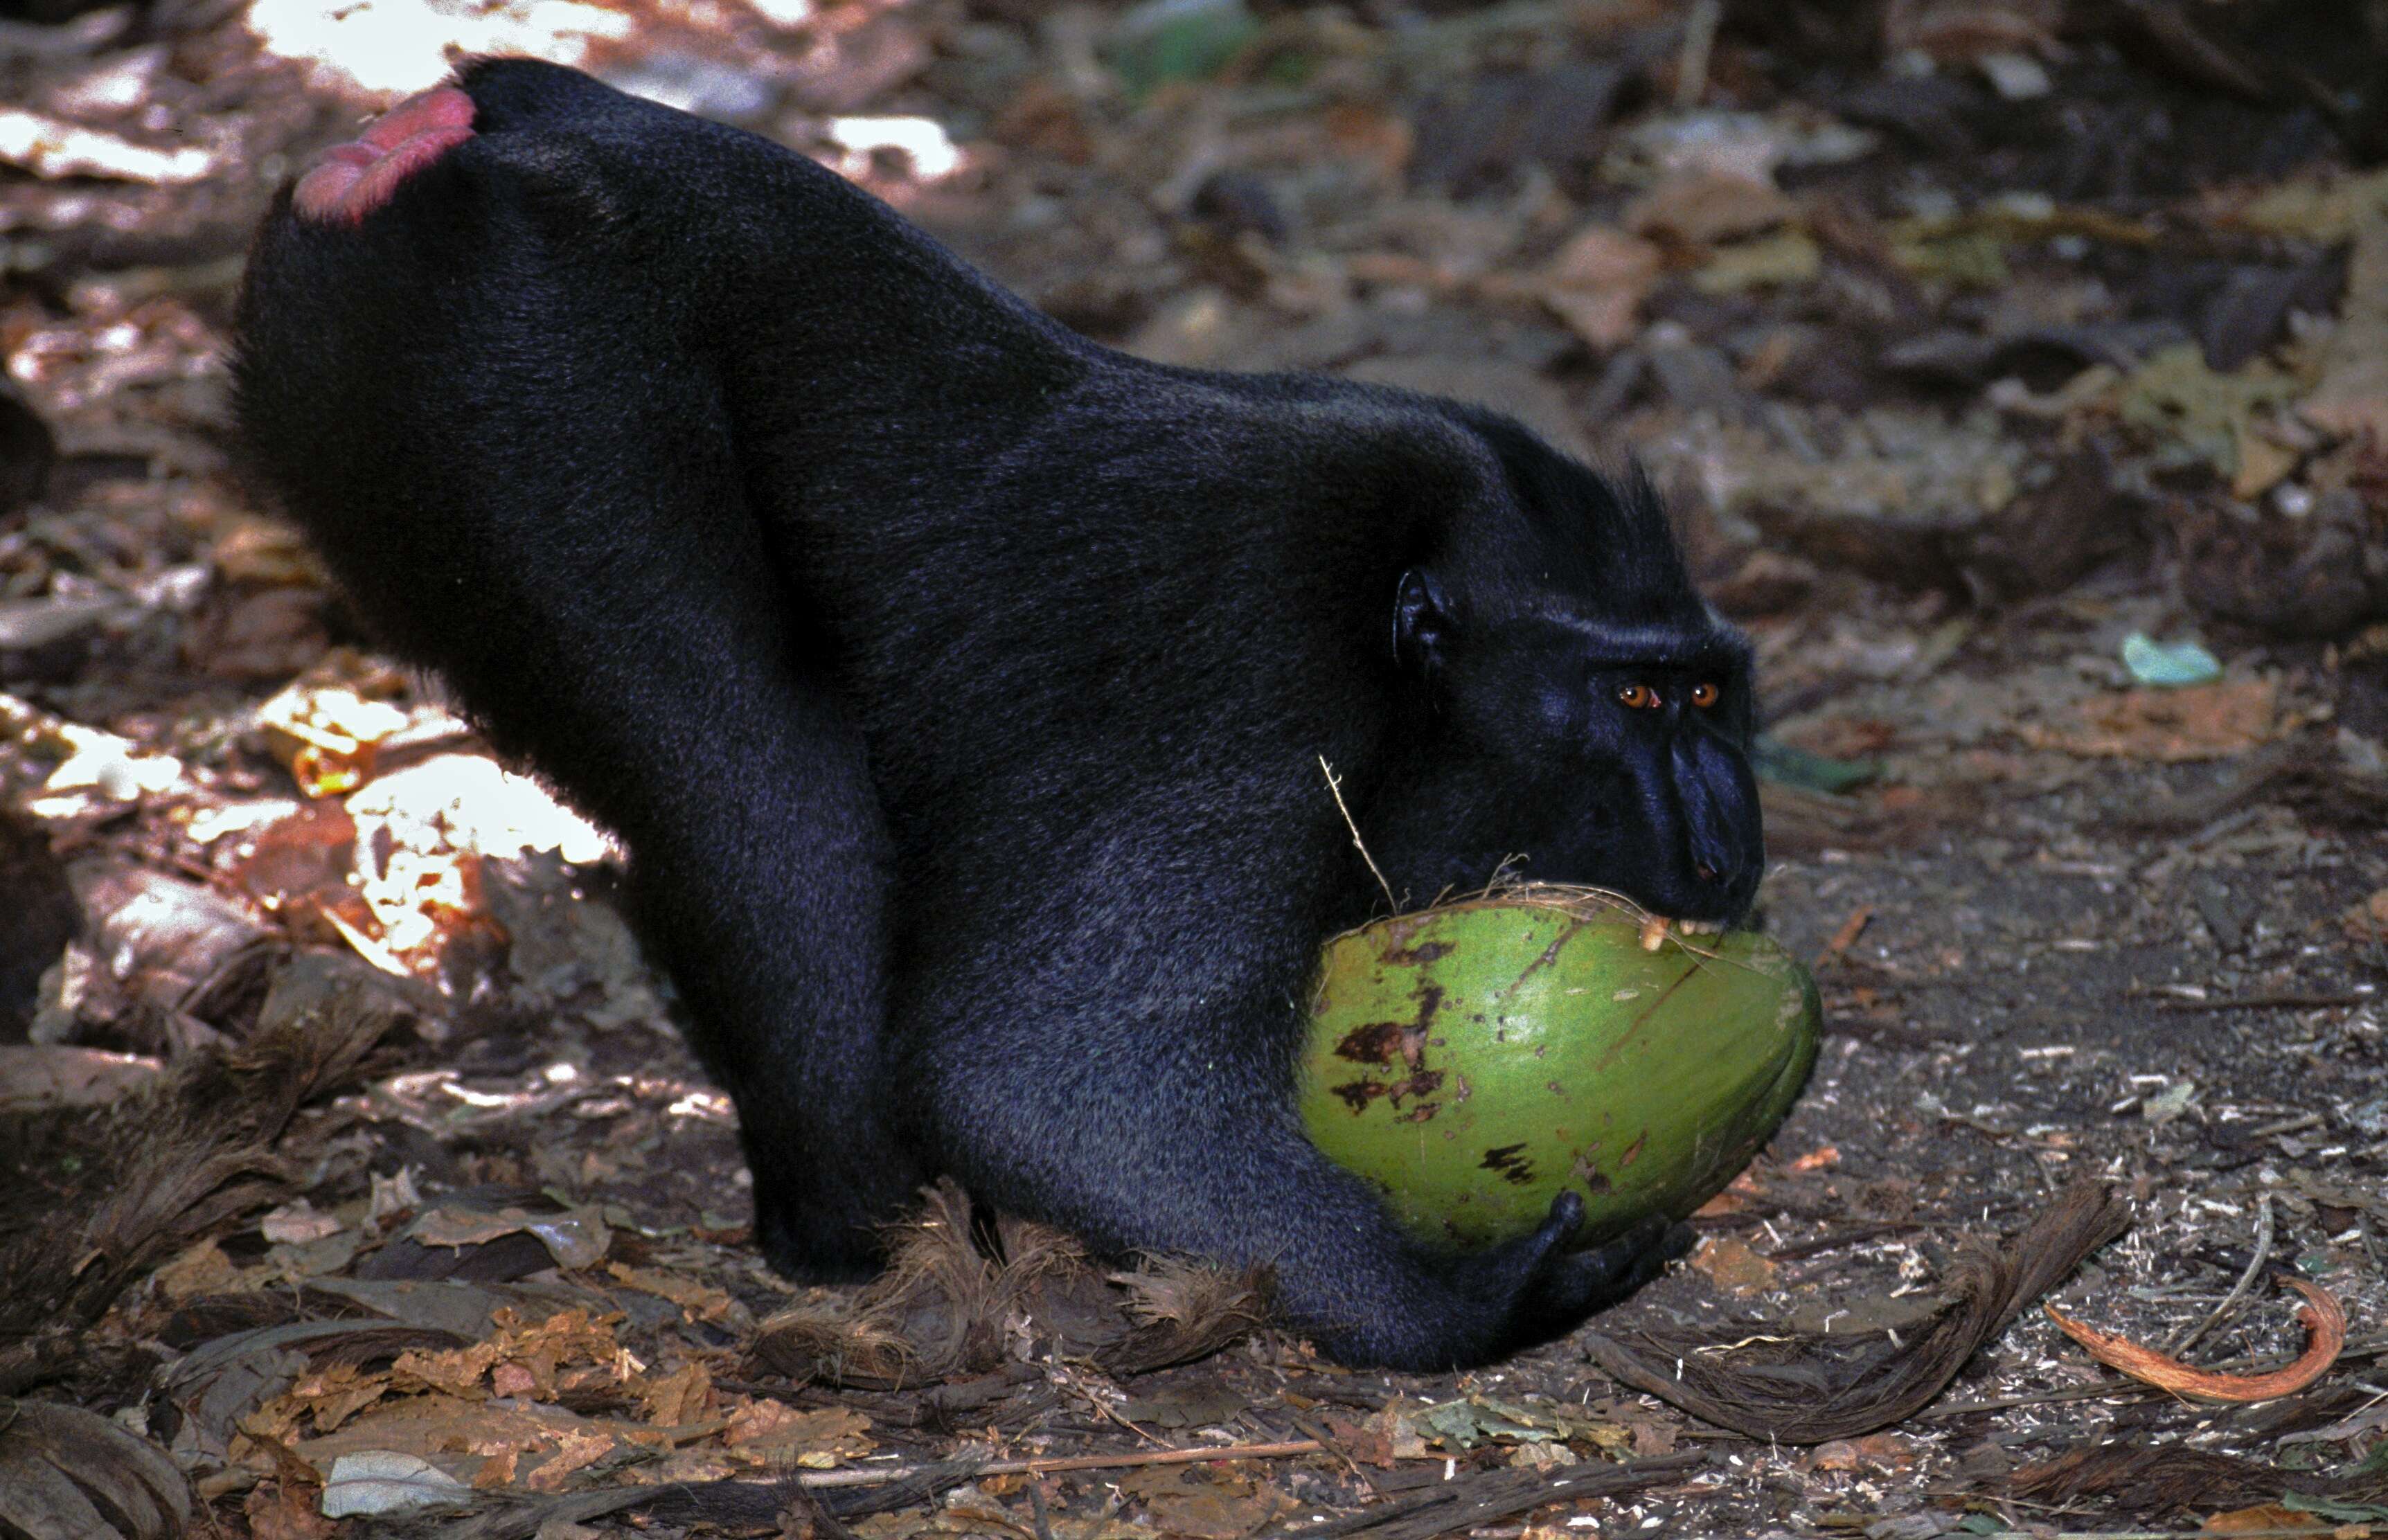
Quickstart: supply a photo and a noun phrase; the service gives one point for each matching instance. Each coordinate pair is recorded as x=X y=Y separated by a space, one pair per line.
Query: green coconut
x=1473 y=1061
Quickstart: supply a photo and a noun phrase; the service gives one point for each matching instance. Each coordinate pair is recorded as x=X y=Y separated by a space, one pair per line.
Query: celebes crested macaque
x=958 y=686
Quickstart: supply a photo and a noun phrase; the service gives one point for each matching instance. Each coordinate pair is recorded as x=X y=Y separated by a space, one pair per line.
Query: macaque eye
x=1703 y=695
x=1640 y=698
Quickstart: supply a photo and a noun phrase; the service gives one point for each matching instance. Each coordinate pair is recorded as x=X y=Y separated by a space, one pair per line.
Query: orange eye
x=1703 y=695
x=1640 y=698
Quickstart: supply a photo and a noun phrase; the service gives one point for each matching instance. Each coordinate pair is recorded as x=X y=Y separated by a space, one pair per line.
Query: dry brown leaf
x=267 y=551
x=301 y=863
x=575 y=1450
x=1733 y=1267
x=2264 y=463
x=286 y=1510
x=1707 y=207
x=1957 y=31
x=1365 y=1443
x=1597 y=282
x=298 y=1222
x=2326 y=1335
x=1383 y=141
x=2366 y=919
x=676 y=1398
x=519 y=1439
x=1392 y=1423
x=521 y=1358
x=456 y=1371
x=52 y=1075
x=778 y=1431
x=2352 y=395
x=697 y=1301
x=2168 y=725
x=203 y=1270
x=1048 y=120
x=568 y=1337
x=1727 y=1202
x=336 y=1392
x=2264 y=1519
x=1647 y=1440
x=247 y=633
x=1879 y=1451
x=1210 y=1502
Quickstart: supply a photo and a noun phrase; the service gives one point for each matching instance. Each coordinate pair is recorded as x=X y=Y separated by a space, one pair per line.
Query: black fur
x=960 y=686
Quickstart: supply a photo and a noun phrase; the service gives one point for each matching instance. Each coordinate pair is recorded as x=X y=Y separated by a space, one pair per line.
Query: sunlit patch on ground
x=392 y=47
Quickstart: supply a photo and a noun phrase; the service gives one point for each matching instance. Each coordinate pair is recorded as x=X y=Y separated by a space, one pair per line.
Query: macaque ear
x=1421 y=621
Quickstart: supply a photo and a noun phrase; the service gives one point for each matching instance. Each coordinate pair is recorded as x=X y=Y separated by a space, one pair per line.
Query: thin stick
x=1043 y=1514
x=890 y=1474
x=2246 y=1280
x=2374 y=1348
x=2320 y=1529
x=2288 y=1001
x=1692 y=64
x=1357 y=843
x=1846 y=937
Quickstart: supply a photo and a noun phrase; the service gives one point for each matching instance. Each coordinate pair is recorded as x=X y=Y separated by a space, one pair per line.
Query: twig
x=2325 y=1322
x=1319 y=1431
x=2374 y=1348
x=1357 y=843
x=2246 y=1280
x=2287 y=1001
x=881 y=1476
x=1452 y=1506
x=1692 y=64
x=1109 y=1413
x=1847 y=936
x=1801 y=1251
x=1036 y=1506
x=2317 y=1528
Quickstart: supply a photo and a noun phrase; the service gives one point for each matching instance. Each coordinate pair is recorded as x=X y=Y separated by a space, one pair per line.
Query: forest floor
x=1989 y=353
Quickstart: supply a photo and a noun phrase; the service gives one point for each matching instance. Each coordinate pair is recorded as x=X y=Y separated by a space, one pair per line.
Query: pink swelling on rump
x=350 y=181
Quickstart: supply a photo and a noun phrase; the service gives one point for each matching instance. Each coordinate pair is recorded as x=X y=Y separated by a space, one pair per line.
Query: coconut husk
x=947 y=1309
x=2162 y=1481
x=1810 y=1387
x=165 y=1169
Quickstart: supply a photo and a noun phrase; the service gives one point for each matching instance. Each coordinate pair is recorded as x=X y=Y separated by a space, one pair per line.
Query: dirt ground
x=2016 y=371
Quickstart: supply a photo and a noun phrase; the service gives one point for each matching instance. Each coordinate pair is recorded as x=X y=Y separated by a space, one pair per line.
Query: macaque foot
x=350 y=181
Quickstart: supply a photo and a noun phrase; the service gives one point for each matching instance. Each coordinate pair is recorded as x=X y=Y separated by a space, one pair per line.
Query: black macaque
x=960 y=686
